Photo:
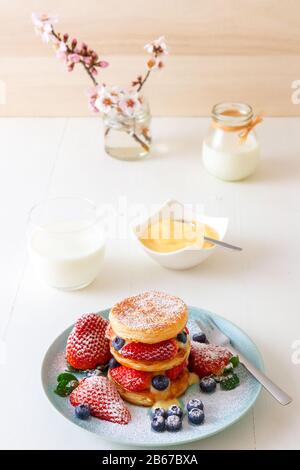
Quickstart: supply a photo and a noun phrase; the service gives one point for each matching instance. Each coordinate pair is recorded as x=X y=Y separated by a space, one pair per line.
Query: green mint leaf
x=66 y=383
x=66 y=377
x=234 y=360
x=61 y=389
x=229 y=382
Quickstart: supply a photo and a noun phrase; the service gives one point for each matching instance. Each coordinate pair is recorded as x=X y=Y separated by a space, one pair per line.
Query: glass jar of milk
x=231 y=150
x=66 y=242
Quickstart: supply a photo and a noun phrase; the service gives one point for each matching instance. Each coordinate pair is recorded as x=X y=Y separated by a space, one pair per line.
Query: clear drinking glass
x=128 y=138
x=66 y=242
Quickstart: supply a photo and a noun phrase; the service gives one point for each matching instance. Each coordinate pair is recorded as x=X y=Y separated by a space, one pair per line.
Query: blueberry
x=158 y=423
x=182 y=337
x=118 y=343
x=175 y=410
x=82 y=411
x=113 y=363
x=158 y=412
x=208 y=385
x=173 y=423
x=196 y=416
x=194 y=403
x=160 y=382
x=200 y=337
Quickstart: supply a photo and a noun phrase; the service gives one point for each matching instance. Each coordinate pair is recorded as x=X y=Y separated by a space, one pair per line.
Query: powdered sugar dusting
x=103 y=398
x=149 y=310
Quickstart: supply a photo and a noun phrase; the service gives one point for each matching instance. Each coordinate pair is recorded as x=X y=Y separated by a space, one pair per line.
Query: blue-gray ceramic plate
x=222 y=408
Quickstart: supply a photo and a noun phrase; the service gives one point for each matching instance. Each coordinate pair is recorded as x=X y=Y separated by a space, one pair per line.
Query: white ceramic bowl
x=188 y=257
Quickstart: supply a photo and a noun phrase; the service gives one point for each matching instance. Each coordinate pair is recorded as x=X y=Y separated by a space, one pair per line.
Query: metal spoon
x=213 y=240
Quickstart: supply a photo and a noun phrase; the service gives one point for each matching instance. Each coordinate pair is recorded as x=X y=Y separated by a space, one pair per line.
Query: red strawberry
x=130 y=379
x=150 y=352
x=87 y=346
x=174 y=373
x=207 y=359
x=103 y=399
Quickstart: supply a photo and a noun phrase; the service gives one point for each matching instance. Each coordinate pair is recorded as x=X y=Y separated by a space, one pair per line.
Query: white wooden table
x=258 y=289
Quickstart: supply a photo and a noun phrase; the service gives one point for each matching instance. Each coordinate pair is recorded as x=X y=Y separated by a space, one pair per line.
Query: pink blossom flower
x=155 y=64
x=92 y=94
x=43 y=25
x=61 y=50
x=103 y=64
x=87 y=60
x=106 y=100
x=157 y=47
x=74 y=58
x=130 y=104
x=61 y=46
x=117 y=92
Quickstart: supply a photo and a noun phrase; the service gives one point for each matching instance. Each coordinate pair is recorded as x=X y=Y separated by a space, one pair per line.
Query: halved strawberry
x=174 y=373
x=130 y=379
x=207 y=359
x=103 y=399
x=87 y=346
x=150 y=352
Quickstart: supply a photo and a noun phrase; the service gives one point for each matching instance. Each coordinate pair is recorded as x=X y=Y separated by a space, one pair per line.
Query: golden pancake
x=149 y=317
x=149 y=397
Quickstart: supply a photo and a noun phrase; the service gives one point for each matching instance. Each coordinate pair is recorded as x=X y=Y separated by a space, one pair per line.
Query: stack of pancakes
x=152 y=318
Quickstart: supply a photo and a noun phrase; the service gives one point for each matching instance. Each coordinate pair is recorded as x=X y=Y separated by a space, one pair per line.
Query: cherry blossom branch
x=143 y=81
x=158 y=49
x=81 y=61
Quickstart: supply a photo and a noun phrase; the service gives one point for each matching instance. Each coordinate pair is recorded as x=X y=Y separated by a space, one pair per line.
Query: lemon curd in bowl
x=169 y=235
x=173 y=235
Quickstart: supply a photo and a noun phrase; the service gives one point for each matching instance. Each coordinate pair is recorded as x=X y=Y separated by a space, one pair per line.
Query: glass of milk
x=66 y=242
x=224 y=154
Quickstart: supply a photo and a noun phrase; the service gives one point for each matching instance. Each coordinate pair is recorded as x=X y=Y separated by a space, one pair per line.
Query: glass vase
x=128 y=138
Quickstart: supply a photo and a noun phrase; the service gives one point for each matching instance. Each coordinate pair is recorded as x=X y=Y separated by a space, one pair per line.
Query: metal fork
x=216 y=336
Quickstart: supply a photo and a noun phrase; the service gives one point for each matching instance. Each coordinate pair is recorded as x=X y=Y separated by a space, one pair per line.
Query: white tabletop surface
x=257 y=289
